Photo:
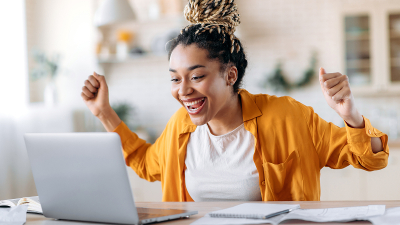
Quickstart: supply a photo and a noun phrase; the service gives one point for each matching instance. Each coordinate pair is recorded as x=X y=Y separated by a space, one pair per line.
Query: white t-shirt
x=221 y=168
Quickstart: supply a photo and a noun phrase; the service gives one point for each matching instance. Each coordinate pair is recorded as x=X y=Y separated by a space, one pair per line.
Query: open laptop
x=83 y=176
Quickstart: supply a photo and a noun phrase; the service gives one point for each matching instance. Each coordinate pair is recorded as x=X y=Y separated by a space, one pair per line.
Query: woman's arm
x=139 y=155
x=337 y=92
x=95 y=96
x=109 y=119
x=339 y=147
x=358 y=122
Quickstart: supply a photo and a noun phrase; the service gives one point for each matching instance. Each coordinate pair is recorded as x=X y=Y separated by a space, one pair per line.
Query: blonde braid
x=220 y=15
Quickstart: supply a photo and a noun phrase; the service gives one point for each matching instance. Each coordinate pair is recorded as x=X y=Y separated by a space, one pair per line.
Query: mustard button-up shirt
x=292 y=144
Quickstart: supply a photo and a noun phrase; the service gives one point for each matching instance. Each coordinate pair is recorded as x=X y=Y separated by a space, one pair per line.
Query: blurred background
x=48 y=48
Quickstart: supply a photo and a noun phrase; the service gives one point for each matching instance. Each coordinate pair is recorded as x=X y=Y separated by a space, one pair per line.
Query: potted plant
x=46 y=67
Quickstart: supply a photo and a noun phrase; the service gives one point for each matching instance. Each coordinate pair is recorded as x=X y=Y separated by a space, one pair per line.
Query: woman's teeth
x=193 y=103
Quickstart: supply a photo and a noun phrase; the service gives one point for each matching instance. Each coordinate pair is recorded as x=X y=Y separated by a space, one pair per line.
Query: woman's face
x=198 y=83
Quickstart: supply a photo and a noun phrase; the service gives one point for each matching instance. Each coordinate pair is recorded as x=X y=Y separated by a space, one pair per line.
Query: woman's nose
x=185 y=88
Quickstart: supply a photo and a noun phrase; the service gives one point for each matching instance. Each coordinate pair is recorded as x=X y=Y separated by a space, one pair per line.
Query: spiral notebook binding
x=243 y=216
x=249 y=216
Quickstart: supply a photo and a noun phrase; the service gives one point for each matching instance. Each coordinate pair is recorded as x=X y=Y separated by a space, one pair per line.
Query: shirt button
x=263 y=183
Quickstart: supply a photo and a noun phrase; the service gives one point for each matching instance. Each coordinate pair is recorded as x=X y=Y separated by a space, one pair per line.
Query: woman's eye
x=196 y=78
x=174 y=80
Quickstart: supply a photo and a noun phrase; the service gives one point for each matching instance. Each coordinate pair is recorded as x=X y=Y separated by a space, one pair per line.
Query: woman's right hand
x=95 y=94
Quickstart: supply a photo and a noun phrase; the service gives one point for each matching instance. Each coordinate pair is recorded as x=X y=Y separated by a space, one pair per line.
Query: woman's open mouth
x=195 y=107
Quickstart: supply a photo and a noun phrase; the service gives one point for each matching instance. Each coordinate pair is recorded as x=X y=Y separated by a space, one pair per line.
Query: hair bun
x=222 y=14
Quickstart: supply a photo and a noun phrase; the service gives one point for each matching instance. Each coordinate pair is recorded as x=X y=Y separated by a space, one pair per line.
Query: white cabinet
x=352 y=184
x=371 y=47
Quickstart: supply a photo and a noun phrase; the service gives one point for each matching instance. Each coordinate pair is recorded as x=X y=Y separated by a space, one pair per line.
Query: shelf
x=358 y=63
x=394 y=34
x=361 y=37
x=170 y=19
x=394 y=144
x=395 y=62
x=134 y=59
x=373 y=92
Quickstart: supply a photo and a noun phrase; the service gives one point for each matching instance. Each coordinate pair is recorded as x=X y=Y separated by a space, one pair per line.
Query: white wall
x=63 y=26
x=13 y=96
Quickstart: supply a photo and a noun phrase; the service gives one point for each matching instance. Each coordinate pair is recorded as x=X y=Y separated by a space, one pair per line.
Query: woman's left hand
x=337 y=92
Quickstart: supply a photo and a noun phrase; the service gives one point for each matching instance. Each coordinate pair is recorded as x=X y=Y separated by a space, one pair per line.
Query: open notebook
x=32 y=202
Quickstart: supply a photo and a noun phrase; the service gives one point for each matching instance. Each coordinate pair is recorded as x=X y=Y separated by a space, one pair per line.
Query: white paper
x=371 y=212
x=337 y=214
x=14 y=215
x=391 y=216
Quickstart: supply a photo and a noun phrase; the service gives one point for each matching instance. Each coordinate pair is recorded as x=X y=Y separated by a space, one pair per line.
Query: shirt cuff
x=124 y=133
x=360 y=138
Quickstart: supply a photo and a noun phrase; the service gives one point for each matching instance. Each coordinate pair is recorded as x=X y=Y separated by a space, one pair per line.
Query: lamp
x=113 y=11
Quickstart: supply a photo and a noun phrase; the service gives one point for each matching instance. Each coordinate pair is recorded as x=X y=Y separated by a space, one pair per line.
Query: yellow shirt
x=292 y=144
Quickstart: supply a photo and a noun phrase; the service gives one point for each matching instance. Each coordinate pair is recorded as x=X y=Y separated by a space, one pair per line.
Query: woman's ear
x=232 y=74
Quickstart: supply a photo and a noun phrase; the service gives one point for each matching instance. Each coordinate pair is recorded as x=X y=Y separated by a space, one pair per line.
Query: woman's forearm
x=357 y=121
x=109 y=119
x=376 y=144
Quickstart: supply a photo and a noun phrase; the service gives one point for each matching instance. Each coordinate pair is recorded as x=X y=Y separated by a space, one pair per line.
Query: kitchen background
x=50 y=47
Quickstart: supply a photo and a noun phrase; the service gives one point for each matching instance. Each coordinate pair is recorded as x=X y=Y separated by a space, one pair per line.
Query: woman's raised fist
x=95 y=94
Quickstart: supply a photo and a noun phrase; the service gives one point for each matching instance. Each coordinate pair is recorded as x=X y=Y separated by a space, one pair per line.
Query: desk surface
x=205 y=207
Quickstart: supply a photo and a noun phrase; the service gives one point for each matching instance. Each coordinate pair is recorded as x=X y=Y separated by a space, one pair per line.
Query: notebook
x=33 y=204
x=254 y=210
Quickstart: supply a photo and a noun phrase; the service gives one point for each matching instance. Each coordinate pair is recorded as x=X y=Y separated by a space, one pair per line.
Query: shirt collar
x=250 y=109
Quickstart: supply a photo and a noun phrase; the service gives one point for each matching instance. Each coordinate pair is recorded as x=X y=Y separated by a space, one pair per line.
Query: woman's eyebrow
x=189 y=68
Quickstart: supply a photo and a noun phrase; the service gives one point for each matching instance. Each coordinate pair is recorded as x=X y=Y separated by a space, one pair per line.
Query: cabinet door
x=391 y=46
x=358 y=49
x=394 y=46
x=372 y=47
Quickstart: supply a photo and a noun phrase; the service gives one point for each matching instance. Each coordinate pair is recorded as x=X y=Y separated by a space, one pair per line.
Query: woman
x=228 y=144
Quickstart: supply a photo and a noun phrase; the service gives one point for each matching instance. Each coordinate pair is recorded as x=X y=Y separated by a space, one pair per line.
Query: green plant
x=44 y=66
x=124 y=111
x=309 y=73
x=278 y=82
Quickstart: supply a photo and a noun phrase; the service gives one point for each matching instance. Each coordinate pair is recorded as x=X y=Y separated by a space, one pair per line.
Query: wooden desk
x=205 y=207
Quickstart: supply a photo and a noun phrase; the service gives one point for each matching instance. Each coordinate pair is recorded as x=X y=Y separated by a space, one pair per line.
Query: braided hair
x=213 y=23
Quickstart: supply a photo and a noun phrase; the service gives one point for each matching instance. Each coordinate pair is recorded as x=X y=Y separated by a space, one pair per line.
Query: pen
x=276 y=214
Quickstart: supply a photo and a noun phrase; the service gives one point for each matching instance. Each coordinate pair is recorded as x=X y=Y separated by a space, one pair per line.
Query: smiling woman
x=228 y=144
x=205 y=88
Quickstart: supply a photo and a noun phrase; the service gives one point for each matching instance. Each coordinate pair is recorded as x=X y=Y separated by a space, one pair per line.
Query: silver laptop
x=83 y=176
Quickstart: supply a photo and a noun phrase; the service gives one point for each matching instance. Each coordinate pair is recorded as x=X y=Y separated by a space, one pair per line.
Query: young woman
x=228 y=144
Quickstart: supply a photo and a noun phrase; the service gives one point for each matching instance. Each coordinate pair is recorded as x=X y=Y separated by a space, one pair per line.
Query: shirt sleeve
x=339 y=147
x=142 y=157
